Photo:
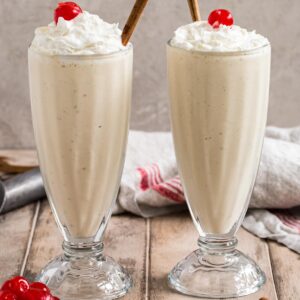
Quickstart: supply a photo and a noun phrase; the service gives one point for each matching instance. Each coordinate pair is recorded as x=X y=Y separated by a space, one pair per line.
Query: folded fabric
x=151 y=186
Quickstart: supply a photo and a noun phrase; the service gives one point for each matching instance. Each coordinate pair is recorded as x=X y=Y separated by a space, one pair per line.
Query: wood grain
x=286 y=266
x=174 y=237
x=15 y=229
x=46 y=243
x=147 y=248
x=125 y=241
x=258 y=250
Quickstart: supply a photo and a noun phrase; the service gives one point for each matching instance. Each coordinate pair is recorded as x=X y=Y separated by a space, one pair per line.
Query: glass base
x=80 y=275
x=216 y=272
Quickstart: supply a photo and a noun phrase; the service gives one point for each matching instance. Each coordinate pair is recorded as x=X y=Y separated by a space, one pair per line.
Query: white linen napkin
x=278 y=186
x=151 y=186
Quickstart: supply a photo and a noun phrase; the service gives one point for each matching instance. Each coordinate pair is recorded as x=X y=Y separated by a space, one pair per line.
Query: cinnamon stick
x=133 y=19
x=194 y=8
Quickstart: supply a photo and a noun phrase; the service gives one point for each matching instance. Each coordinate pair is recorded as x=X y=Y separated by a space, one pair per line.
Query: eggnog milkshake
x=80 y=73
x=80 y=83
x=219 y=86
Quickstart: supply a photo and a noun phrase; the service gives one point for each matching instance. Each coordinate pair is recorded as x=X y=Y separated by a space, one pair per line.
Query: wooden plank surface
x=46 y=242
x=147 y=248
x=125 y=241
x=286 y=270
x=173 y=237
x=15 y=235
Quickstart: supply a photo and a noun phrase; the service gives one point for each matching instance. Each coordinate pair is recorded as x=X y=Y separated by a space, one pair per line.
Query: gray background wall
x=278 y=20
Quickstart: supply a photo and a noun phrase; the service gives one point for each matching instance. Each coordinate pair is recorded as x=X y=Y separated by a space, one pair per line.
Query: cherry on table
x=39 y=286
x=67 y=10
x=220 y=17
x=17 y=285
x=7 y=295
x=34 y=294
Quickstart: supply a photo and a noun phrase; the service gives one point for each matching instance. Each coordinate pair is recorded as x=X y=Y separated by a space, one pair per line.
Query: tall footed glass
x=80 y=109
x=218 y=104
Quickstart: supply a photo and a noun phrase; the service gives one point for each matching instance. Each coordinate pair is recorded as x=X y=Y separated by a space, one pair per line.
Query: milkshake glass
x=218 y=103
x=80 y=109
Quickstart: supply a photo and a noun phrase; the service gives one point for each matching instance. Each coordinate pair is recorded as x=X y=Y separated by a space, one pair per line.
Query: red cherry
x=39 y=286
x=18 y=285
x=37 y=295
x=67 y=10
x=220 y=17
x=54 y=298
x=7 y=295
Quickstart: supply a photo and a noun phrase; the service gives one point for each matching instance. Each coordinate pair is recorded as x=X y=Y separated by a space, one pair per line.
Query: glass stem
x=77 y=251
x=216 y=252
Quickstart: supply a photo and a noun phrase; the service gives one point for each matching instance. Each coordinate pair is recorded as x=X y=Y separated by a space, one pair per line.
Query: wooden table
x=148 y=248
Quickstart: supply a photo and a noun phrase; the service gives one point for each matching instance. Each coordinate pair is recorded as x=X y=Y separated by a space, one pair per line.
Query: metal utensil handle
x=21 y=190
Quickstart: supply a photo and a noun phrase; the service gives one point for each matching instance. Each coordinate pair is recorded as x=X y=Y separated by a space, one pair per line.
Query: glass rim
x=219 y=53
x=128 y=49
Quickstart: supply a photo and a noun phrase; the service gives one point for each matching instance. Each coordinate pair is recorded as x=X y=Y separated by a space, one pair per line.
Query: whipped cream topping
x=84 y=35
x=200 y=36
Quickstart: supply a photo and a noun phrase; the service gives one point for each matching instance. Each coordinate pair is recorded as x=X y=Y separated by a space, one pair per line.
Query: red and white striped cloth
x=151 y=186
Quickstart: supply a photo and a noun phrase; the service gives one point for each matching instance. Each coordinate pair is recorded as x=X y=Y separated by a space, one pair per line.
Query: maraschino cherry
x=18 y=288
x=17 y=285
x=7 y=295
x=67 y=10
x=39 y=286
x=37 y=295
x=220 y=17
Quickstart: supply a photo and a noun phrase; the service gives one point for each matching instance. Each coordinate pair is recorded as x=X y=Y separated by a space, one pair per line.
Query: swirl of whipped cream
x=84 y=35
x=200 y=36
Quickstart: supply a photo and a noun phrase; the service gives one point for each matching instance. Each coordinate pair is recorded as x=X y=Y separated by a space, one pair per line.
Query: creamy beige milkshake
x=219 y=86
x=80 y=83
